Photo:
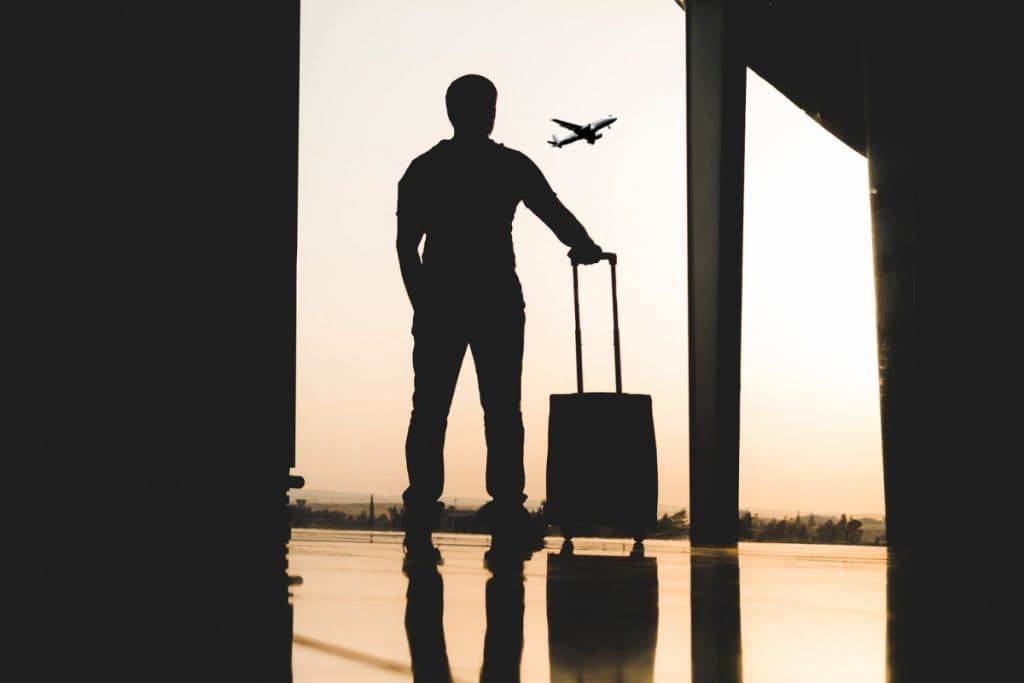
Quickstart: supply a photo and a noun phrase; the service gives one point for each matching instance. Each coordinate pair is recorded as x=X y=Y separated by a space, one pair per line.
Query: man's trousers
x=494 y=335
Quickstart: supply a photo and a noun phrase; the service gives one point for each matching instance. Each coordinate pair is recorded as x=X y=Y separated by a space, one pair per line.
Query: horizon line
x=391 y=498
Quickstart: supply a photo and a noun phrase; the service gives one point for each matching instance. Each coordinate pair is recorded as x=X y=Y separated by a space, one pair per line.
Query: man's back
x=463 y=197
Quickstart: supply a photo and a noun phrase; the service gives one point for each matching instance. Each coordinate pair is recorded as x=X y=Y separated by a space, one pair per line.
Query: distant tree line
x=312 y=517
x=676 y=525
x=800 y=529
x=809 y=529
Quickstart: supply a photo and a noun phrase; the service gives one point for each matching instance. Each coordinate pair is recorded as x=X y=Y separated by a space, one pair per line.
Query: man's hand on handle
x=586 y=255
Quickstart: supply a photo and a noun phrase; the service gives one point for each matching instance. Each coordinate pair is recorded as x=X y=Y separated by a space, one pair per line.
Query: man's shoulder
x=437 y=151
x=424 y=161
x=512 y=155
x=518 y=165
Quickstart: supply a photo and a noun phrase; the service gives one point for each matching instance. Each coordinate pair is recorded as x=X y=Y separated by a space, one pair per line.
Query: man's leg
x=424 y=626
x=497 y=347
x=440 y=345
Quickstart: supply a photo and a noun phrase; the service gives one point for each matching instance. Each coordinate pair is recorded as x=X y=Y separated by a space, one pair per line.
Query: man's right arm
x=410 y=232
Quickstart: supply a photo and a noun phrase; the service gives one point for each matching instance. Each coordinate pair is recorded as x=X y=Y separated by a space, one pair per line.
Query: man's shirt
x=463 y=197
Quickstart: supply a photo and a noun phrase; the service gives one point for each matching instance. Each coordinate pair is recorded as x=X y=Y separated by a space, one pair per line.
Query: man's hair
x=471 y=100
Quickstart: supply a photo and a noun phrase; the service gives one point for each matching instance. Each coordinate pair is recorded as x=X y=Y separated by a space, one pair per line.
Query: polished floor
x=764 y=612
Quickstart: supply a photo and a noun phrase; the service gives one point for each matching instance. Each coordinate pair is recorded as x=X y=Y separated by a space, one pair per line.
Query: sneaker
x=516 y=532
x=420 y=553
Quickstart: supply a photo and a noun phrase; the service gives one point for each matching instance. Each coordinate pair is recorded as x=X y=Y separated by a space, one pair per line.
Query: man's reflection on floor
x=424 y=625
x=715 y=644
x=602 y=617
x=503 y=641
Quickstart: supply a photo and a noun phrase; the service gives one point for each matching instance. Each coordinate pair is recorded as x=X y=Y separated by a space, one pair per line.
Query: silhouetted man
x=462 y=194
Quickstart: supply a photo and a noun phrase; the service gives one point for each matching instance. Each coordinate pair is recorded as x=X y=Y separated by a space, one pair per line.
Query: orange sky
x=373 y=77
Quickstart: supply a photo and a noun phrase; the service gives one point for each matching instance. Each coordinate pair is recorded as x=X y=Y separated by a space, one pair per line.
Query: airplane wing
x=571 y=126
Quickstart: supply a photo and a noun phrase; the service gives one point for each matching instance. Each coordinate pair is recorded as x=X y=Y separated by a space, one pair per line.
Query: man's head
x=471 y=101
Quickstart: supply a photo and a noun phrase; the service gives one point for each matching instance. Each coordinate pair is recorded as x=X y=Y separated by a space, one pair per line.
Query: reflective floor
x=767 y=612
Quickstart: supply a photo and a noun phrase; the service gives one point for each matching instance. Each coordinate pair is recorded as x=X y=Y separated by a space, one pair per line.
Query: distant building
x=455 y=520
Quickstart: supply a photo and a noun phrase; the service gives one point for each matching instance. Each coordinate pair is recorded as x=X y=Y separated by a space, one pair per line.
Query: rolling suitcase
x=602 y=468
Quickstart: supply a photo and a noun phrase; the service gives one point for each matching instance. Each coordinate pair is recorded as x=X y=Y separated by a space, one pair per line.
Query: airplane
x=587 y=132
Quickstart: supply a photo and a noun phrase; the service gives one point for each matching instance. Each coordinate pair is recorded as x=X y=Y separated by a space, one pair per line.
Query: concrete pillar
x=716 y=650
x=715 y=117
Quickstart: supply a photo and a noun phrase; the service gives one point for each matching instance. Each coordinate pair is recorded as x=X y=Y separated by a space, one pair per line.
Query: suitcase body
x=602 y=463
x=602 y=468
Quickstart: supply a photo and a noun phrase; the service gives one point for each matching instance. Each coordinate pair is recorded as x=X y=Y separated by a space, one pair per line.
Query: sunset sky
x=373 y=77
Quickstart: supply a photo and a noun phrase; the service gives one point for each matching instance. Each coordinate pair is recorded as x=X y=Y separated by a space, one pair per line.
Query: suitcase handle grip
x=608 y=256
x=612 y=262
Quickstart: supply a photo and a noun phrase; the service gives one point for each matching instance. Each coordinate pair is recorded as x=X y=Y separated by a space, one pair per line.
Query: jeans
x=494 y=334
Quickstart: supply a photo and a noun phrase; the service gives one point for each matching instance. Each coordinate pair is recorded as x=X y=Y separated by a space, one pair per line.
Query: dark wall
x=149 y=278
x=943 y=127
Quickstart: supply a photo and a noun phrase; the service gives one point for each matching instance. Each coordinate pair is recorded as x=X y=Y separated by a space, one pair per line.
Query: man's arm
x=410 y=232
x=542 y=201
x=408 y=243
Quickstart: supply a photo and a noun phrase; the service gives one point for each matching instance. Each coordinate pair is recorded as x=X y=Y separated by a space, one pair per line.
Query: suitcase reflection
x=602 y=618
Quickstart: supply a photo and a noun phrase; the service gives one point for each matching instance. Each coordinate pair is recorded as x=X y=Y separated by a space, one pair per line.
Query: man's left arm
x=545 y=204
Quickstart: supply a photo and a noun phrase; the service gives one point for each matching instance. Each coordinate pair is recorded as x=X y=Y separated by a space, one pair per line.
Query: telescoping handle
x=612 y=259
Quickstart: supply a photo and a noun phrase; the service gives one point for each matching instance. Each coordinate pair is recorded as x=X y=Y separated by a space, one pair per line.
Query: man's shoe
x=516 y=533
x=420 y=553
